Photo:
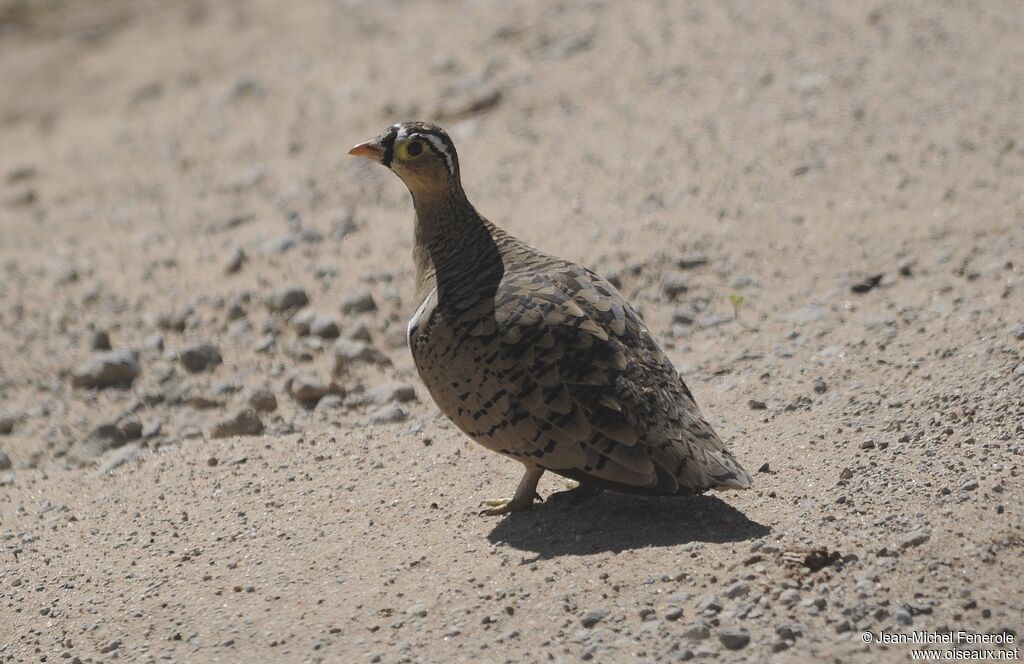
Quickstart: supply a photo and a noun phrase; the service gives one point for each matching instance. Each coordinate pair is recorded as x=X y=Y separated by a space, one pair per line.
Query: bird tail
x=726 y=472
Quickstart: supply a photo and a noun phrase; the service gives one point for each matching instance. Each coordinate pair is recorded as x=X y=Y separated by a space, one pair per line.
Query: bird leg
x=523 y=499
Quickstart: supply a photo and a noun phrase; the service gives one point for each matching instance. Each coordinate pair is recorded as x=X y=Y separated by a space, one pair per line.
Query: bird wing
x=591 y=395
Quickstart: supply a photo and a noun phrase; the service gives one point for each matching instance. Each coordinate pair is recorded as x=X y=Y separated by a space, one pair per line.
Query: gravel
x=291 y=297
x=734 y=639
x=202 y=357
x=243 y=422
x=115 y=368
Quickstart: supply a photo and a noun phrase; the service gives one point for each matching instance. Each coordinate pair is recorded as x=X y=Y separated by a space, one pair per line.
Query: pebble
x=754 y=404
x=112 y=368
x=324 y=327
x=1017 y=332
x=6 y=424
x=388 y=415
x=734 y=639
x=915 y=537
x=789 y=597
x=307 y=389
x=970 y=484
x=594 y=616
x=302 y=320
x=244 y=422
x=697 y=631
x=330 y=402
x=291 y=297
x=262 y=399
x=867 y=444
x=5 y=461
x=348 y=352
x=396 y=392
x=358 y=303
x=175 y=321
x=151 y=429
x=820 y=387
x=235 y=261
x=100 y=340
x=710 y=604
x=202 y=357
x=154 y=342
x=675 y=286
x=738 y=589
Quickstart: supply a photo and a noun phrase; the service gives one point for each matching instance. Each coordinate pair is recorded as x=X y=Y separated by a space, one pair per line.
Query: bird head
x=418 y=152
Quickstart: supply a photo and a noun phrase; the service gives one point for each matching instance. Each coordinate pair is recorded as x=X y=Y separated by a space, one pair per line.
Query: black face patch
x=388 y=147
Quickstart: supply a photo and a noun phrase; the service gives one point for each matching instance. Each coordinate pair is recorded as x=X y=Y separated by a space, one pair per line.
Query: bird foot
x=499 y=507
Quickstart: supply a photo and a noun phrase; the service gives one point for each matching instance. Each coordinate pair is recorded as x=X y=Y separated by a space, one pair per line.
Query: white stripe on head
x=440 y=147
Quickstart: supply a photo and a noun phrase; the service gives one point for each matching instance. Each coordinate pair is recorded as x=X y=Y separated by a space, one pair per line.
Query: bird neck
x=454 y=247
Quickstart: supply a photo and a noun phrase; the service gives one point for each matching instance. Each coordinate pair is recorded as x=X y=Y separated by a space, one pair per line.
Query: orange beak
x=369 y=149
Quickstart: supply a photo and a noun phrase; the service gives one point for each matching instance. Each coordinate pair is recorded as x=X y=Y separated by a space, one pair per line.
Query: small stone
x=291 y=297
x=915 y=538
x=820 y=387
x=307 y=389
x=388 y=415
x=734 y=639
x=100 y=340
x=697 y=631
x=846 y=474
x=710 y=604
x=765 y=468
x=6 y=424
x=245 y=422
x=738 y=589
x=235 y=261
x=112 y=368
x=202 y=357
x=394 y=393
x=5 y=461
x=151 y=429
x=970 y=484
x=358 y=303
x=131 y=429
x=330 y=402
x=757 y=405
x=348 y=352
x=903 y=617
x=154 y=342
x=591 y=618
x=673 y=613
x=262 y=399
x=1017 y=332
x=302 y=320
x=675 y=286
x=684 y=317
x=789 y=597
x=867 y=444
x=175 y=321
x=324 y=327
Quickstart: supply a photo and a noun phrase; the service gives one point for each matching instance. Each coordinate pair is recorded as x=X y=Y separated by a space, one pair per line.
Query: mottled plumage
x=537 y=358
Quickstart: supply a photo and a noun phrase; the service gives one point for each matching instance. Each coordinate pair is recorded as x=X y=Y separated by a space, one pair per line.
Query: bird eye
x=413 y=149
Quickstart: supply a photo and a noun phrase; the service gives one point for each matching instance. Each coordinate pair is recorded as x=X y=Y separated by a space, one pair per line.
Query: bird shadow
x=612 y=522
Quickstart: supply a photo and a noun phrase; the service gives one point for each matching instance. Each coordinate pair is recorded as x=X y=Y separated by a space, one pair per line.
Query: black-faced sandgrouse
x=537 y=358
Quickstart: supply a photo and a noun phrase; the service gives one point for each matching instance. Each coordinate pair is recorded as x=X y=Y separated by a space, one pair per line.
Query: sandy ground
x=816 y=206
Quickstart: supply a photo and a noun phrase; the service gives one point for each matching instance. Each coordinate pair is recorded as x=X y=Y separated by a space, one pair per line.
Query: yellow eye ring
x=411 y=150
